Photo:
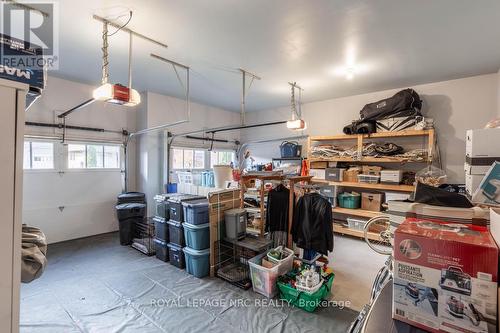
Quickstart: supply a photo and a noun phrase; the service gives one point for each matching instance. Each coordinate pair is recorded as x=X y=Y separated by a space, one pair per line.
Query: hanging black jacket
x=278 y=200
x=312 y=227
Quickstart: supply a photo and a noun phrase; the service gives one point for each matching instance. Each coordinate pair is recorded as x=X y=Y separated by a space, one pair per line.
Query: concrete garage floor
x=355 y=266
x=96 y=285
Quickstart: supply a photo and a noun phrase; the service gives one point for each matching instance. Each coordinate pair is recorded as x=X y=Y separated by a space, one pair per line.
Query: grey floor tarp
x=95 y=285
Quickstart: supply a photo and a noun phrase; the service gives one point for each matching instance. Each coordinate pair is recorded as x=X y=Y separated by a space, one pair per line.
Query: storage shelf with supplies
x=389 y=187
x=428 y=140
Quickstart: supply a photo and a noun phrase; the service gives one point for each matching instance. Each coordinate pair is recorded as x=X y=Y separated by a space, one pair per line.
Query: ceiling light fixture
x=296 y=123
x=116 y=93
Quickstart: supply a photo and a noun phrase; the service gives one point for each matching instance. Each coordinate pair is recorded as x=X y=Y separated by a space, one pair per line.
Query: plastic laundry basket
x=197 y=261
x=197 y=236
x=303 y=300
x=264 y=279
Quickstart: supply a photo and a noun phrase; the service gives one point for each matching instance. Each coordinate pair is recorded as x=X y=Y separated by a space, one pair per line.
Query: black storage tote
x=176 y=256
x=161 y=229
x=175 y=206
x=162 y=252
x=176 y=233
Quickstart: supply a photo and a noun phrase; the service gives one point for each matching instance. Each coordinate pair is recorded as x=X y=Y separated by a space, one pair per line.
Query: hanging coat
x=278 y=200
x=312 y=227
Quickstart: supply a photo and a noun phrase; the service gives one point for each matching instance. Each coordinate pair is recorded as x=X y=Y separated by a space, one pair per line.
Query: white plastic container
x=356 y=224
x=185 y=177
x=264 y=279
x=222 y=173
x=285 y=264
x=370 y=179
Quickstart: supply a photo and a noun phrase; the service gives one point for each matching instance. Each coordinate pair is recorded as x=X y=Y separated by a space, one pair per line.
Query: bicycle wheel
x=378 y=236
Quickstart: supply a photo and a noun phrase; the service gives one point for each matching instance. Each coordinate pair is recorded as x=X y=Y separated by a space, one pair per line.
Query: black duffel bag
x=404 y=103
x=360 y=127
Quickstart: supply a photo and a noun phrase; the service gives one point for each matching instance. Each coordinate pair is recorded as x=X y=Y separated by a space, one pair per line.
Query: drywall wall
x=498 y=94
x=455 y=105
x=159 y=110
x=69 y=204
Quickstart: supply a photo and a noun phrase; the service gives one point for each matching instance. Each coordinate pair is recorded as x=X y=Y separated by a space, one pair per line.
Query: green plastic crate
x=302 y=300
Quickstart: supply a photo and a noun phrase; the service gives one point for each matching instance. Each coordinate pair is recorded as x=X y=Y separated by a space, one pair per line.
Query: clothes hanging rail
x=291 y=204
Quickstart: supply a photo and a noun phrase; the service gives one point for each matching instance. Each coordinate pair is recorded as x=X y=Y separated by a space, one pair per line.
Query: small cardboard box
x=317 y=173
x=334 y=174
x=371 y=201
x=351 y=175
x=371 y=170
x=319 y=165
x=445 y=276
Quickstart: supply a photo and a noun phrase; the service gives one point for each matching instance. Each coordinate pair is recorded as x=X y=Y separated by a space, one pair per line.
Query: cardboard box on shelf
x=317 y=173
x=351 y=175
x=219 y=202
x=319 y=165
x=445 y=277
x=371 y=201
x=371 y=170
x=479 y=143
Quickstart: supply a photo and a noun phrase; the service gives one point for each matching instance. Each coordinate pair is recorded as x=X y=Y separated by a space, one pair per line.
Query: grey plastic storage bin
x=176 y=256
x=161 y=229
x=176 y=233
x=162 y=206
x=176 y=212
x=196 y=211
x=197 y=262
x=161 y=250
x=197 y=236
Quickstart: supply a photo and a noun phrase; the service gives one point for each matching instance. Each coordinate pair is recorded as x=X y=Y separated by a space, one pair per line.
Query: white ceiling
x=389 y=43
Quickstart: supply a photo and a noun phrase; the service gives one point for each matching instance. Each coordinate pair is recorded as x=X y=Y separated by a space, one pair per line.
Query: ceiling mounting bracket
x=130 y=31
x=186 y=87
x=296 y=114
x=244 y=89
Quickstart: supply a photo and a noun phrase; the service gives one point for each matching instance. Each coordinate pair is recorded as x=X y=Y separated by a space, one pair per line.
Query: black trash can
x=128 y=214
x=131 y=197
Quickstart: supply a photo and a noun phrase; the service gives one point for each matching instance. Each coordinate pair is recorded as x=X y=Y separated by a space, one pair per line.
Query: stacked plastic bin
x=197 y=237
x=161 y=219
x=175 y=228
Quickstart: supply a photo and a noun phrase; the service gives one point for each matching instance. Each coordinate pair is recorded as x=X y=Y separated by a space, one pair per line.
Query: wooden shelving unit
x=360 y=139
x=244 y=179
x=374 y=135
x=387 y=187
x=356 y=212
x=356 y=233
x=367 y=159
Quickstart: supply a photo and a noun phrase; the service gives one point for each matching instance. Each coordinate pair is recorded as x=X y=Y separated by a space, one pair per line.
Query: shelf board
x=386 y=187
x=373 y=135
x=356 y=212
x=366 y=159
x=356 y=233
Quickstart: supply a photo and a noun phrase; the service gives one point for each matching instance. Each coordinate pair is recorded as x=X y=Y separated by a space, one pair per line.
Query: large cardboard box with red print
x=445 y=277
